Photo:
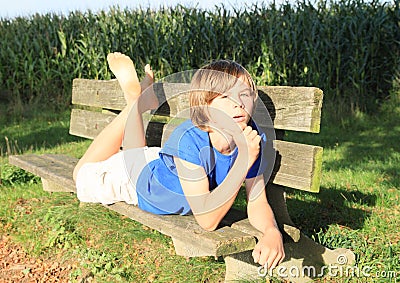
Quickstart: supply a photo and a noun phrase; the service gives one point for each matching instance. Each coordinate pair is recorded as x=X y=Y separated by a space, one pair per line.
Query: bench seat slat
x=222 y=241
x=58 y=169
x=291 y=108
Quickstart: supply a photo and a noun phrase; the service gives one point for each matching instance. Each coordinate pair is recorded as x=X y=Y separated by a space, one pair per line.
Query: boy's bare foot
x=148 y=100
x=124 y=70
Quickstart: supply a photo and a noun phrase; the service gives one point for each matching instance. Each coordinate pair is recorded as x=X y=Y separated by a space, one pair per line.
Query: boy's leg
x=109 y=141
x=134 y=135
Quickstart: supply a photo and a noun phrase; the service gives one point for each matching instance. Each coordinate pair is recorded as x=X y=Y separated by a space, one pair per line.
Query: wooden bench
x=298 y=166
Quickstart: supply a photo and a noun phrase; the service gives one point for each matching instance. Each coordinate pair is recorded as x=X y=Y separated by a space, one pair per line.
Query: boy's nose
x=238 y=102
x=241 y=105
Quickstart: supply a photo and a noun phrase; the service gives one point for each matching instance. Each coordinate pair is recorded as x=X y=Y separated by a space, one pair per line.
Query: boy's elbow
x=209 y=228
x=206 y=224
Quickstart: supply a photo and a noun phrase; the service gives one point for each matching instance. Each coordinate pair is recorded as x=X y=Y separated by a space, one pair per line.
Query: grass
x=106 y=244
x=357 y=207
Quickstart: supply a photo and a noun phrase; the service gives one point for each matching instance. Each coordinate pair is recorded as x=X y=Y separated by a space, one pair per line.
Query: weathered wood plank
x=245 y=226
x=185 y=228
x=98 y=93
x=62 y=160
x=297 y=166
x=50 y=186
x=56 y=171
x=291 y=108
x=57 y=168
x=88 y=124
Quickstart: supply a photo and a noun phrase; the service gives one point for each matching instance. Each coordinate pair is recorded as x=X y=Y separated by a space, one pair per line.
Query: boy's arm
x=209 y=207
x=269 y=250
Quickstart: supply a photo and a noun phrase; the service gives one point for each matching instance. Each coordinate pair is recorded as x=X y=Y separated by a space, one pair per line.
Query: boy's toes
x=110 y=56
x=149 y=71
x=114 y=55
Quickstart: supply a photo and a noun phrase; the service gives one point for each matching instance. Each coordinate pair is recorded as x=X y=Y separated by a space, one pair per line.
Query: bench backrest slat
x=291 y=108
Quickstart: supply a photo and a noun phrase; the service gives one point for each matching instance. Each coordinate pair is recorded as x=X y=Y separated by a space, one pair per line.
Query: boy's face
x=236 y=104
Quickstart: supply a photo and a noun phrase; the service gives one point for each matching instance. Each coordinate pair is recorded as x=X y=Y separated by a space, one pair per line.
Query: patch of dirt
x=17 y=266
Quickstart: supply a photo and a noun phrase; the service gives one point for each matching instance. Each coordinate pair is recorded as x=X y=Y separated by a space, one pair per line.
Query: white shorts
x=114 y=179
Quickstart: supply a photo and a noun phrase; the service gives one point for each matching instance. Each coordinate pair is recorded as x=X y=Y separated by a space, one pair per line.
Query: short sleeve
x=185 y=142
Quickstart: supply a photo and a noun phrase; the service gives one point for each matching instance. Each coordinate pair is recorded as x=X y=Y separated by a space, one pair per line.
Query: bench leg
x=187 y=250
x=304 y=261
x=307 y=259
x=277 y=200
x=241 y=266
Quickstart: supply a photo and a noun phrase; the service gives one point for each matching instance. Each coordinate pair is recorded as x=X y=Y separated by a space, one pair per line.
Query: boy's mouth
x=239 y=118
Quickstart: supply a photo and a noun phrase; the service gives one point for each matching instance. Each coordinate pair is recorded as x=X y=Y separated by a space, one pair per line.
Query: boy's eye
x=245 y=94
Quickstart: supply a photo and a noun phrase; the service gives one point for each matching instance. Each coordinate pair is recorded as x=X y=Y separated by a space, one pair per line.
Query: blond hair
x=211 y=81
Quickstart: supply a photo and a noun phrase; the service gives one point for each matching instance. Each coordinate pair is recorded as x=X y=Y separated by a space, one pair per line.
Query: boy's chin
x=243 y=124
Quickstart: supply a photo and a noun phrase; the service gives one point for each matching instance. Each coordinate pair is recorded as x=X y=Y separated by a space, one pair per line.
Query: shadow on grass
x=365 y=142
x=371 y=145
x=331 y=206
x=35 y=134
x=363 y=147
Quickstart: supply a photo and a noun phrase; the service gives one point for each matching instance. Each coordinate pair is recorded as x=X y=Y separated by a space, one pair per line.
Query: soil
x=17 y=266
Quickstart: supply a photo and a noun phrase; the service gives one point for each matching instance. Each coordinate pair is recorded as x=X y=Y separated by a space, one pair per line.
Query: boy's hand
x=249 y=142
x=269 y=250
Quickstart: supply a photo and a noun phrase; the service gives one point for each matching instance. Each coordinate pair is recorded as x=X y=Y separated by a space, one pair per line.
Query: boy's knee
x=76 y=170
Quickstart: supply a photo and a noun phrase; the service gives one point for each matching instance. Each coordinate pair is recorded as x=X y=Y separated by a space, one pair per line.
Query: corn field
x=348 y=48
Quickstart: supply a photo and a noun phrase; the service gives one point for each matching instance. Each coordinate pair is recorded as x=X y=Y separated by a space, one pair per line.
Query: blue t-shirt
x=158 y=188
